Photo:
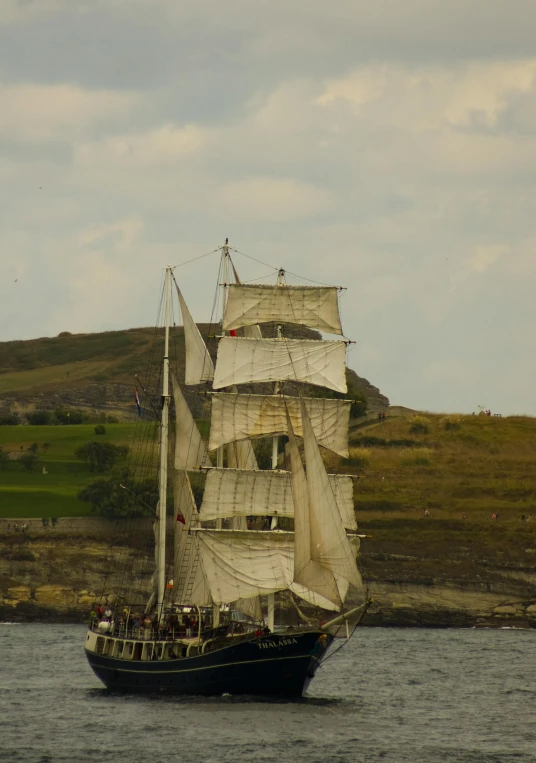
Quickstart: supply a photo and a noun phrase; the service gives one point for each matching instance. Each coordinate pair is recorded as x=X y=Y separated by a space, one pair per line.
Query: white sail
x=253 y=332
x=190 y=450
x=242 y=493
x=238 y=417
x=244 y=361
x=239 y=565
x=240 y=455
x=314 y=598
x=244 y=565
x=329 y=543
x=313 y=306
x=188 y=581
x=307 y=571
x=199 y=365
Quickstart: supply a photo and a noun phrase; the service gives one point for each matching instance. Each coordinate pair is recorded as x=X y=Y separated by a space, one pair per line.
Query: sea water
x=445 y=696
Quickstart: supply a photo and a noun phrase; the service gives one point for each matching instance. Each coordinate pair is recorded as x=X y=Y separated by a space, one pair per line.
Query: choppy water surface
x=389 y=695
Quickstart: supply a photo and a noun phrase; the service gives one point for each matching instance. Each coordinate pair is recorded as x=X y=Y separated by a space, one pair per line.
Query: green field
x=54 y=494
x=484 y=465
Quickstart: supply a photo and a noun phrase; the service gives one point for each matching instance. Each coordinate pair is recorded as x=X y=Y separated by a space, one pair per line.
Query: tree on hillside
x=33 y=448
x=112 y=501
x=29 y=461
x=65 y=416
x=9 y=419
x=101 y=456
x=4 y=459
x=45 y=446
x=39 y=418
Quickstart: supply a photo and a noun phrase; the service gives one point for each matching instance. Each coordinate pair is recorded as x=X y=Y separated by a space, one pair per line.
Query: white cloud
x=268 y=199
x=484 y=256
x=384 y=147
x=421 y=98
x=120 y=235
x=58 y=112
x=168 y=143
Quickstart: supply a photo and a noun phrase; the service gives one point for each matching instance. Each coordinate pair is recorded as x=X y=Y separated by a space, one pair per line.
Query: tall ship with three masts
x=259 y=573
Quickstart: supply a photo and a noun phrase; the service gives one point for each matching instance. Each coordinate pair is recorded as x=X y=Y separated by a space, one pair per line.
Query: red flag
x=232 y=332
x=180 y=518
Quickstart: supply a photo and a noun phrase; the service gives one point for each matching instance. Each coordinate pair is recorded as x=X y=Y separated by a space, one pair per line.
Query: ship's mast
x=164 y=435
x=275 y=445
x=225 y=274
x=225 y=285
x=277 y=385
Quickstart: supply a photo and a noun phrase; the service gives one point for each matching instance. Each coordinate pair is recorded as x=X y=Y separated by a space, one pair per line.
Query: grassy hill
x=91 y=370
x=96 y=372
x=440 y=569
x=483 y=466
x=54 y=494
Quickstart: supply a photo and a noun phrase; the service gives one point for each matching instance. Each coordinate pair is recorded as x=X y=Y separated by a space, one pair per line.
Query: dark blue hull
x=268 y=665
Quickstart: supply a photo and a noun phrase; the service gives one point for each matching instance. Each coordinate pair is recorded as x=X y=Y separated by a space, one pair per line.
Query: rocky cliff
x=60 y=573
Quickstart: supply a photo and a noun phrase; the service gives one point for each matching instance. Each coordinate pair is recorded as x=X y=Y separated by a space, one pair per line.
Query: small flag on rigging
x=137 y=401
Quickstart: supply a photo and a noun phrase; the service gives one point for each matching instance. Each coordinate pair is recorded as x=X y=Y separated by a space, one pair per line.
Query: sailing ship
x=263 y=573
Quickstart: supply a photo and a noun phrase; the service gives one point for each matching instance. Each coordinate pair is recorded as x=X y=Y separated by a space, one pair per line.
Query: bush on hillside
x=100 y=429
x=4 y=458
x=418 y=425
x=9 y=419
x=28 y=461
x=39 y=418
x=359 y=457
x=101 y=456
x=119 y=496
x=452 y=422
x=69 y=416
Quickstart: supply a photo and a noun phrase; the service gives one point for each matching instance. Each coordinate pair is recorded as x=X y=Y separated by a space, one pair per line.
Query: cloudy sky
x=389 y=147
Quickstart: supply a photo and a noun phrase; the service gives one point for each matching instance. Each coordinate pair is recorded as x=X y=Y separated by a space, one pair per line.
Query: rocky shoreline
x=58 y=574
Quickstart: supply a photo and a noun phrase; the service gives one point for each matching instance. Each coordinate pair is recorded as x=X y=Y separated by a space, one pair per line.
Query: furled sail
x=313 y=306
x=329 y=543
x=199 y=366
x=190 y=450
x=242 y=493
x=243 y=361
x=238 y=417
